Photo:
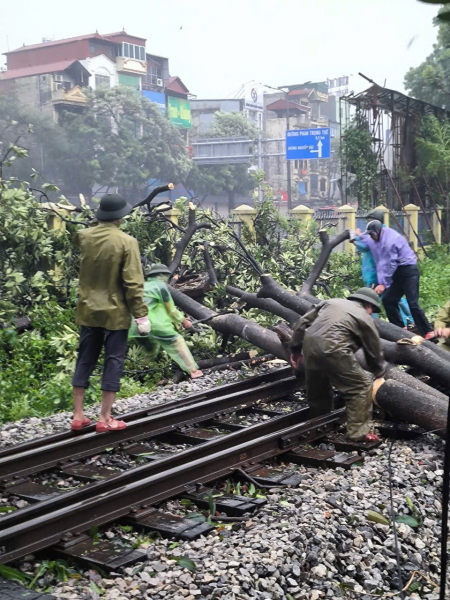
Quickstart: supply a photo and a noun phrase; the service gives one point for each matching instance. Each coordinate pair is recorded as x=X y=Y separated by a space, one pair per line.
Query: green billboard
x=179 y=111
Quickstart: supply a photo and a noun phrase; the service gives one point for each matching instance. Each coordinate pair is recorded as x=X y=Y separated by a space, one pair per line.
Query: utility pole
x=260 y=164
x=288 y=162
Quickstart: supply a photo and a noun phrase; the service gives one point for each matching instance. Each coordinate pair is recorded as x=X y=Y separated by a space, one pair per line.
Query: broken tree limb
x=327 y=247
x=419 y=357
x=251 y=362
x=234 y=324
x=412 y=382
x=266 y=304
x=272 y=289
x=209 y=265
x=389 y=332
x=208 y=363
x=392 y=372
x=402 y=404
x=182 y=243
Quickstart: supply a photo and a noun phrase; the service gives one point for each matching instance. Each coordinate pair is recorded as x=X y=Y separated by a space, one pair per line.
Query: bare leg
x=78 y=398
x=107 y=402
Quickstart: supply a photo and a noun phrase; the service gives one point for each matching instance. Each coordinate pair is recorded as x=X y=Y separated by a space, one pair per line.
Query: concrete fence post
x=301 y=213
x=412 y=224
x=173 y=214
x=246 y=214
x=348 y=221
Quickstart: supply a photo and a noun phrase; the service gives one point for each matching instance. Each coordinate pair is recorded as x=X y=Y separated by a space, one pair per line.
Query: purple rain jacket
x=390 y=252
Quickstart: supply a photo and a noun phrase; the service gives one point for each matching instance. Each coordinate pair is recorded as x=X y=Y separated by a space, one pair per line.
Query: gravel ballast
x=314 y=541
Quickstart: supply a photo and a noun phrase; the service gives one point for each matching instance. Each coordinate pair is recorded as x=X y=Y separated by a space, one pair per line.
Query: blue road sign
x=304 y=144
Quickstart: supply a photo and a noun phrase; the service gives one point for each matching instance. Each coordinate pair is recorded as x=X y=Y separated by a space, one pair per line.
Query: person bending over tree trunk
x=163 y=318
x=329 y=335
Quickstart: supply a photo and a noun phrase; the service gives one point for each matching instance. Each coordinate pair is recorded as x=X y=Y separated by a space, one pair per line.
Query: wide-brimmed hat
x=112 y=207
x=373 y=227
x=376 y=214
x=366 y=295
x=159 y=269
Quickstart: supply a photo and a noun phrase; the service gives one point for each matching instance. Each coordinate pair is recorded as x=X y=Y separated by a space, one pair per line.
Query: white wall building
x=103 y=71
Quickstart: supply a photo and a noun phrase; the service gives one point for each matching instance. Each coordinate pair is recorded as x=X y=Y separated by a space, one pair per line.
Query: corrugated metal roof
x=55 y=67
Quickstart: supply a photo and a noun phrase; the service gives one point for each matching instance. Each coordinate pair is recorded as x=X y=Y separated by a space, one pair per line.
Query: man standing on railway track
x=329 y=335
x=111 y=291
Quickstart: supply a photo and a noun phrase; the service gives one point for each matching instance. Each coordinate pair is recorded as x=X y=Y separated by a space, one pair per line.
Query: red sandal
x=77 y=425
x=111 y=425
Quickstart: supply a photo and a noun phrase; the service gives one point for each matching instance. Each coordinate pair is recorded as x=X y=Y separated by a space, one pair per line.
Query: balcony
x=131 y=65
x=68 y=96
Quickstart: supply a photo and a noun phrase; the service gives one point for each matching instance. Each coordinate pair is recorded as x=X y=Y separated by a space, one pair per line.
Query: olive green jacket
x=111 y=283
x=339 y=325
x=443 y=320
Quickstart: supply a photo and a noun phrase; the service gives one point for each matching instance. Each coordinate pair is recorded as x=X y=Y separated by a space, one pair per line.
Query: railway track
x=166 y=451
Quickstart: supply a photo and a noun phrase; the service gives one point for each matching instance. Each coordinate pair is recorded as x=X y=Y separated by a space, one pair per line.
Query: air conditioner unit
x=159 y=82
x=57 y=77
x=59 y=85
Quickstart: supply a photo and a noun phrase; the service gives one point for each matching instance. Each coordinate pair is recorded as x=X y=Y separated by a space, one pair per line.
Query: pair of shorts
x=91 y=342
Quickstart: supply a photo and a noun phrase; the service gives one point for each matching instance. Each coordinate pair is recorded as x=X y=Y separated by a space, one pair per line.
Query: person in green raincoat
x=164 y=317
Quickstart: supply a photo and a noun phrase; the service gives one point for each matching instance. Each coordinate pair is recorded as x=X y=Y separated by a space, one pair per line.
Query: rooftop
x=55 y=67
x=392 y=101
x=282 y=105
x=77 y=38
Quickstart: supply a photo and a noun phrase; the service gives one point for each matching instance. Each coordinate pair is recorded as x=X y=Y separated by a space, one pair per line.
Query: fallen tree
x=402 y=396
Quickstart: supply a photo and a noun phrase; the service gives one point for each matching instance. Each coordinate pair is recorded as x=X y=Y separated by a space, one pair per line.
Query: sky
x=215 y=47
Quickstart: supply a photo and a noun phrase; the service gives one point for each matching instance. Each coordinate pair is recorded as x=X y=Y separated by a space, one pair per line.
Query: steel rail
x=58 y=453
x=214 y=392
x=46 y=530
x=152 y=468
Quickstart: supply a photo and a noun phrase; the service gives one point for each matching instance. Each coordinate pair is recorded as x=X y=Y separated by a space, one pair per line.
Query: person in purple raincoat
x=397 y=274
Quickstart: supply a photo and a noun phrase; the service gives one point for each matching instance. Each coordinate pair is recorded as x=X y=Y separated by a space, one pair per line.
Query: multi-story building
x=54 y=75
x=306 y=107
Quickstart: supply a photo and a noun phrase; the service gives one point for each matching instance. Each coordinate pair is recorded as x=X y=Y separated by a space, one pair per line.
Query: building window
x=92 y=48
x=102 y=81
x=314 y=179
x=323 y=185
x=304 y=165
x=296 y=164
x=152 y=75
x=132 y=51
x=306 y=187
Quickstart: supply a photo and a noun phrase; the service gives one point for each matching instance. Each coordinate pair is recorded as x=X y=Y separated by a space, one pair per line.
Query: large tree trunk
x=403 y=404
x=234 y=324
x=405 y=400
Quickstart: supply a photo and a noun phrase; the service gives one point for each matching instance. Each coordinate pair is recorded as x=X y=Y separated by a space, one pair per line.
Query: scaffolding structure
x=394 y=121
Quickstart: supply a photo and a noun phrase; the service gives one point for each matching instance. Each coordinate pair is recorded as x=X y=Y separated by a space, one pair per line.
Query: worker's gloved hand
x=296 y=360
x=143 y=325
x=352 y=233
